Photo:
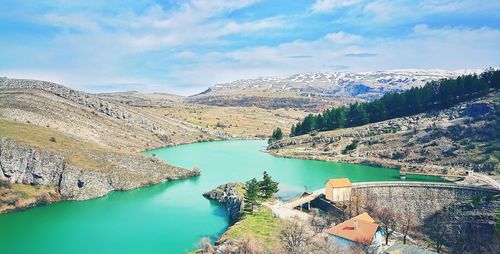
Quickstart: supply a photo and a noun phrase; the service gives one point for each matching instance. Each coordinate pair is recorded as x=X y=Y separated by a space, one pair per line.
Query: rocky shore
x=232 y=196
x=26 y=165
x=464 y=137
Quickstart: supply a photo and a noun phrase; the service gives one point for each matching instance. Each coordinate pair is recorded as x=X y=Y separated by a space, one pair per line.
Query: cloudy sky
x=184 y=46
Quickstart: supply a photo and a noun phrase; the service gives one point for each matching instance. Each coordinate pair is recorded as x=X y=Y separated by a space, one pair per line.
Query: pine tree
x=277 y=135
x=433 y=95
x=292 y=131
x=268 y=187
x=251 y=194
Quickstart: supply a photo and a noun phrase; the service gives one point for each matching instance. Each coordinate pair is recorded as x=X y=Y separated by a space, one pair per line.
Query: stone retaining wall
x=416 y=198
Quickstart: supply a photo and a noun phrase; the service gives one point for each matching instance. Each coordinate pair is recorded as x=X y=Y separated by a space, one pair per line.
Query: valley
x=60 y=144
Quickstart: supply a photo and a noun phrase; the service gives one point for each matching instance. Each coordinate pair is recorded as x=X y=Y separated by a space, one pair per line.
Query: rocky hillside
x=57 y=143
x=315 y=91
x=88 y=117
x=137 y=99
x=451 y=140
x=68 y=169
x=466 y=227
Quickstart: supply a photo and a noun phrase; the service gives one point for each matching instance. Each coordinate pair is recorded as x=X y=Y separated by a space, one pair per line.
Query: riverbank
x=41 y=166
x=449 y=142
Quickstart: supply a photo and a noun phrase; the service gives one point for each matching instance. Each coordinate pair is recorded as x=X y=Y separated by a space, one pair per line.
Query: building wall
x=338 y=194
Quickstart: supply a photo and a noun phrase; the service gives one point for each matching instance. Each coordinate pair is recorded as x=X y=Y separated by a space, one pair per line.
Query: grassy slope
x=262 y=225
x=19 y=196
x=76 y=152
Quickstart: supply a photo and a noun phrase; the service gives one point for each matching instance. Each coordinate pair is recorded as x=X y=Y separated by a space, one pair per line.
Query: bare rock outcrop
x=231 y=195
x=20 y=163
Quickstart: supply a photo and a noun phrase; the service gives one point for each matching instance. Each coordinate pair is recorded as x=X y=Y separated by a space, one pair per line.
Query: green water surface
x=169 y=217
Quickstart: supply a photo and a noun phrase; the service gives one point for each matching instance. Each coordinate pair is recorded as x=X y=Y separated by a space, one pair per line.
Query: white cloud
x=443 y=48
x=343 y=38
x=328 y=5
x=147 y=47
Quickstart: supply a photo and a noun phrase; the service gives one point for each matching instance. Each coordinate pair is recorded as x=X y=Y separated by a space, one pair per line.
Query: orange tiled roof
x=365 y=217
x=339 y=182
x=359 y=229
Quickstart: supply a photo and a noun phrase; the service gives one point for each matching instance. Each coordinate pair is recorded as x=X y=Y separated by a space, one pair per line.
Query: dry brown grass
x=76 y=152
x=247 y=121
x=19 y=196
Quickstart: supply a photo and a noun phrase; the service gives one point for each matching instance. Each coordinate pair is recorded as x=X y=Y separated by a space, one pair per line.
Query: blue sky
x=184 y=46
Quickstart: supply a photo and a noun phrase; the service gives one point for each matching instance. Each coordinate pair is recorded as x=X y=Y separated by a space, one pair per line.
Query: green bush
x=350 y=147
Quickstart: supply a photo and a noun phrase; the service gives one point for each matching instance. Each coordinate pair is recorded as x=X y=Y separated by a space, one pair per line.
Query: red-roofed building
x=361 y=229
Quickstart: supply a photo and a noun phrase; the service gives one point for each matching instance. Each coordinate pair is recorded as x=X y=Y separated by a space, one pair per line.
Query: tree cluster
x=277 y=135
x=433 y=95
x=259 y=190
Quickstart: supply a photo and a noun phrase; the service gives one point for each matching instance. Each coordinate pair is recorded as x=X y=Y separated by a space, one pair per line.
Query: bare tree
x=294 y=237
x=357 y=248
x=370 y=202
x=319 y=223
x=205 y=246
x=388 y=220
x=437 y=230
x=355 y=203
x=407 y=223
x=321 y=245
x=250 y=246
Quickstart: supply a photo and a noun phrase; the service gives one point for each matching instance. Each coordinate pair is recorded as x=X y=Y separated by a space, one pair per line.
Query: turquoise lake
x=169 y=217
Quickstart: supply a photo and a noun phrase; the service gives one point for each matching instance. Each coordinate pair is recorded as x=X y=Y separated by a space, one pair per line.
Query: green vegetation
x=350 y=147
x=262 y=226
x=434 y=95
x=277 y=135
x=259 y=190
x=251 y=195
x=268 y=187
x=497 y=223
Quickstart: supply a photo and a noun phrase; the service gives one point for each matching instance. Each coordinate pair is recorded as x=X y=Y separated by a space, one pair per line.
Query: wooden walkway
x=305 y=199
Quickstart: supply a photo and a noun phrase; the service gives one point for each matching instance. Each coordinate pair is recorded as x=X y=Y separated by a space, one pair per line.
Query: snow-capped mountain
x=362 y=85
x=317 y=91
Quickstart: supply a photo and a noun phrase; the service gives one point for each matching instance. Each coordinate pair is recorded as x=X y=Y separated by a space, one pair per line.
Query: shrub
x=5 y=184
x=350 y=147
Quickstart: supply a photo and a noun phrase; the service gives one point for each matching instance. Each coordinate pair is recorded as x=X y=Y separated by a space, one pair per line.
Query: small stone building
x=338 y=189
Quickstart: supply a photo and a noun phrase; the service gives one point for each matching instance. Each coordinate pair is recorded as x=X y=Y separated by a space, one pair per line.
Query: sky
x=183 y=47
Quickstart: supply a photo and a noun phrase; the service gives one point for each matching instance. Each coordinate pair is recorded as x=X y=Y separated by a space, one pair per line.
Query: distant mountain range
x=326 y=88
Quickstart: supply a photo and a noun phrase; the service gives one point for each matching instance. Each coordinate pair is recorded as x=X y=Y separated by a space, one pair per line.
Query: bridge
x=305 y=199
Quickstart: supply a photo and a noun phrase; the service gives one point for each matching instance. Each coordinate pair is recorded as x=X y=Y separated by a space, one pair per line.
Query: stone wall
x=419 y=199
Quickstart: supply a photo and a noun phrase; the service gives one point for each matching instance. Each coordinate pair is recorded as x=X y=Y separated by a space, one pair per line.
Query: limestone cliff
x=24 y=164
x=231 y=195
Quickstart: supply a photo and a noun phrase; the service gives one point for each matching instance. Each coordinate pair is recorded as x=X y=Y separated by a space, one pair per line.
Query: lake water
x=169 y=217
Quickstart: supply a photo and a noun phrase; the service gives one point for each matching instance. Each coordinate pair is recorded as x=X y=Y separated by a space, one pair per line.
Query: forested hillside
x=434 y=95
